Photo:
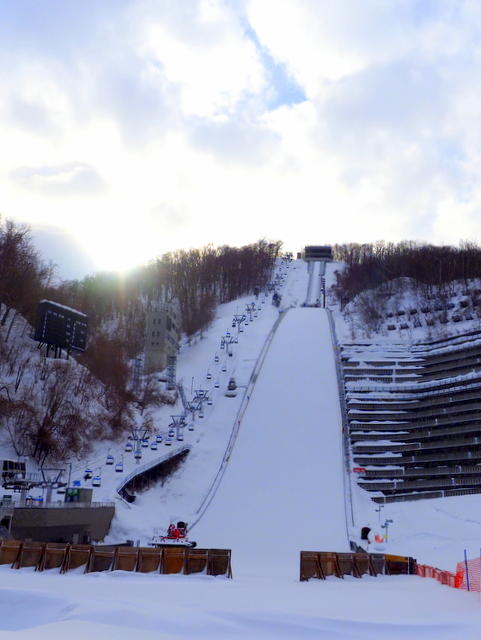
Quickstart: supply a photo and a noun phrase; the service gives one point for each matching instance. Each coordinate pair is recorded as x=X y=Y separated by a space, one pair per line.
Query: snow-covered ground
x=122 y=606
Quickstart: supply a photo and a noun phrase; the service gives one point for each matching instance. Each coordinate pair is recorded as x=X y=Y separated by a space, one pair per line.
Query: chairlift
x=208 y=376
x=168 y=442
x=128 y=447
x=180 y=436
x=153 y=446
x=61 y=491
x=191 y=426
x=227 y=334
x=110 y=459
x=145 y=443
x=209 y=401
x=158 y=438
x=216 y=359
x=233 y=324
x=216 y=385
x=96 y=481
x=171 y=433
x=201 y=414
x=138 y=455
x=88 y=473
x=119 y=467
x=224 y=368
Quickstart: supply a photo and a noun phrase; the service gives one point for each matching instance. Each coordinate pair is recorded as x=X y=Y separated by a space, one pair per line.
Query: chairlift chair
x=216 y=358
x=110 y=459
x=171 y=433
x=191 y=426
x=119 y=467
x=153 y=446
x=138 y=455
x=158 y=438
x=201 y=414
x=224 y=368
x=216 y=385
x=128 y=447
x=168 y=442
x=180 y=437
x=96 y=481
x=88 y=473
x=145 y=443
x=209 y=401
x=208 y=376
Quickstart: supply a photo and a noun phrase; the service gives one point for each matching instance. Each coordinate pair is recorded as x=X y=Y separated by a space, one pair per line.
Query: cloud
x=340 y=120
x=64 y=250
x=74 y=178
x=234 y=140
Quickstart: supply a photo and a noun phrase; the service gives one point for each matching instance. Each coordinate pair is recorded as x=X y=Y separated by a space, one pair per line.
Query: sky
x=134 y=127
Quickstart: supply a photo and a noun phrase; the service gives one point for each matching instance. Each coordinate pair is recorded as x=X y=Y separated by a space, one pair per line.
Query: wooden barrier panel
x=219 y=562
x=101 y=559
x=400 y=565
x=347 y=565
x=31 y=555
x=54 y=556
x=378 y=562
x=196 y=561
x=149 y=560
x=173 y=560
x=126 y=559
x=78 y=555
x=311 y=566
x=9 y=551
x=363 y=564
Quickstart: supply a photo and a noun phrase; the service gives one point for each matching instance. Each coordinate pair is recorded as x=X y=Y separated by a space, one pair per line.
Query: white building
x=161 y=336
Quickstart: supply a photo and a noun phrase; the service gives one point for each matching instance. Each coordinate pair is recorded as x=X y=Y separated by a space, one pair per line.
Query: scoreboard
x=61 y=326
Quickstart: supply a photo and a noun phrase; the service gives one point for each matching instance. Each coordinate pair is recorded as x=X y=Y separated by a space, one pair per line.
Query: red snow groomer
x=176 y=537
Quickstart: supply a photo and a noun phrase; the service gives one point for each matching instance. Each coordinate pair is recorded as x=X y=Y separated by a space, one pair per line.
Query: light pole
x=386 y=526
x=378 y=510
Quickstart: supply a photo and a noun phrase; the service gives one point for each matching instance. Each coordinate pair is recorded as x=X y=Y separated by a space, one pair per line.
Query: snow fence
x=321 y=564
x=66 y=557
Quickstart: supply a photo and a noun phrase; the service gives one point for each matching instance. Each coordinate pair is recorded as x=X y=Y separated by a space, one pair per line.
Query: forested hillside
x=41 y=401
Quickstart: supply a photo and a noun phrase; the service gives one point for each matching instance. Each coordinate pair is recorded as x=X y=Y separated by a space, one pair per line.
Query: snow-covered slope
x=283 y=490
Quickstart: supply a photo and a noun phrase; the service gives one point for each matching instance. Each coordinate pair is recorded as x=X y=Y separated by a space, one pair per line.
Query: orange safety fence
x=467 y=576
x=468 y=573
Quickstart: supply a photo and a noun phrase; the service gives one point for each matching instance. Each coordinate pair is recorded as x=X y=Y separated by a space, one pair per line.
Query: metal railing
x=344 y=415
x=141 y=469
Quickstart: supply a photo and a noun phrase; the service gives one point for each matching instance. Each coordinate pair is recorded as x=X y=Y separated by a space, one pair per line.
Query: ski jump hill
x=283 y=489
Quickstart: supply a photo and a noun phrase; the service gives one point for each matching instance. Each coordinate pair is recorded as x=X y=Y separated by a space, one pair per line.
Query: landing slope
x=283 y=489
